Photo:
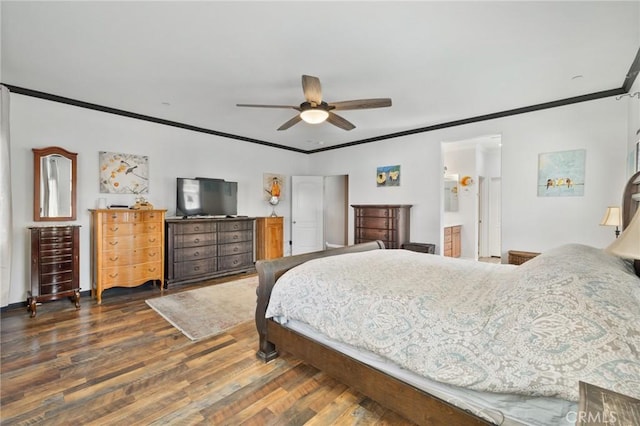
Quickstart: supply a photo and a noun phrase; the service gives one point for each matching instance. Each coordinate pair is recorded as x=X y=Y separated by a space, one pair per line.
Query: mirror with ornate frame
x=54 y=184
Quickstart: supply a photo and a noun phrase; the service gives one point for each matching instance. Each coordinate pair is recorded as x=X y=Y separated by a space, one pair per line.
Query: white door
x=495 y=215
x=306 y=214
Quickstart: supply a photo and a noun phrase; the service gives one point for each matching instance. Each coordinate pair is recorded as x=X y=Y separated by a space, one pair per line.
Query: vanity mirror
x=54 y=184
x=451 y=193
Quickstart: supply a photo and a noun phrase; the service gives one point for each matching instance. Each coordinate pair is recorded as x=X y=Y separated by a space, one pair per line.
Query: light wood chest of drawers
x=452 y=242
x=55 y=264
x=203 y=248
x=128 y=248
x=386 y=222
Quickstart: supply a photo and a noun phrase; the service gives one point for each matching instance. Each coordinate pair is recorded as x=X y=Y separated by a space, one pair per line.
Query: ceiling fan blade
x=312 y=89
x=294 y=120
x=361 y=104
x=269 y=106
x=336 y=120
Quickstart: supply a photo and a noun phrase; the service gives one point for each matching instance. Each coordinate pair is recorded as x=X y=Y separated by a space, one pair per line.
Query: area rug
x=208 y=311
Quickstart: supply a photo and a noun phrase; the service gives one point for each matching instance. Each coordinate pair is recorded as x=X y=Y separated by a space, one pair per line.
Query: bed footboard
x=270 y=270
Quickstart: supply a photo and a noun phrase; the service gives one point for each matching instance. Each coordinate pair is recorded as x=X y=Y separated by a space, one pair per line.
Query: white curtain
x=6 y=222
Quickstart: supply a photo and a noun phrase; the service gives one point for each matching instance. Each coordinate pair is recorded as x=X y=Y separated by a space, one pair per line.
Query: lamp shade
x=612 y=217
x=628 y=245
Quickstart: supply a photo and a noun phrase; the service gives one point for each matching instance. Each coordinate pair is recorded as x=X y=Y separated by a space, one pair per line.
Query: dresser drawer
x=374 y=234
x=152 y=217
x=235 y=261
x=52 y=243
x=235 y=248
x=57 y=267
x=235 y=226
x=131 y=256
x=234 y=237
x=122 y=216
x=62 y=254
x=194 y=253
x=195 y=267
x=55 y=288
x=193 y=228
x=127 y=276
x=56 y=278
x=118 y=229
x=375 y=222
x=194 y=240
x=375 y=212
x=56 y=232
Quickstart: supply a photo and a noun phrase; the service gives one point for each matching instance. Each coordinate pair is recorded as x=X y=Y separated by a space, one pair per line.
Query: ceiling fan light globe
x=314 y=116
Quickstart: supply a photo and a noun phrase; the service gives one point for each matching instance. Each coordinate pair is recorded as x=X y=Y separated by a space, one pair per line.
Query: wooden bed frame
x=408 y=401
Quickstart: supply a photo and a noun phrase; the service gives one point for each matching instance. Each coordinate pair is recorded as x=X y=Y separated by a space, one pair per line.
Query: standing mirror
x=54 y=184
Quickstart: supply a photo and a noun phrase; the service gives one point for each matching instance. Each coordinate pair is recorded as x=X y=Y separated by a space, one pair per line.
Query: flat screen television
x=206 y=197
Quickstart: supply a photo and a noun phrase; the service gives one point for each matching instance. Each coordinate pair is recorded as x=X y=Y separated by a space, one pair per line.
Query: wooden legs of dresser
x=32 y=301
x=31 y=306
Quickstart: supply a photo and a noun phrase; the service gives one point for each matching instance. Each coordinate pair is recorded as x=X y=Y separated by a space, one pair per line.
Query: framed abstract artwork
x=388 y=176
x=561 y=174
x=123 y=173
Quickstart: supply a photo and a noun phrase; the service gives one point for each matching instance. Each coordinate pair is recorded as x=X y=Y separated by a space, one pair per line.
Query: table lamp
x=612 y=217
x=628 y=245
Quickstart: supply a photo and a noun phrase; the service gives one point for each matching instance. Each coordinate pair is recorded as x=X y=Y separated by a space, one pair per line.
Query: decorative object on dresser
x=269 y=237
x=54 y=184
x=204 y=248
x=420 y=247
x=388 y=223
x=452 y=243
x=128 y=248
x=55 y=264
x=517 y=257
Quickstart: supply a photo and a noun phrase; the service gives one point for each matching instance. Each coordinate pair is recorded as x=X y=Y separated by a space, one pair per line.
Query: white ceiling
x=191 y=62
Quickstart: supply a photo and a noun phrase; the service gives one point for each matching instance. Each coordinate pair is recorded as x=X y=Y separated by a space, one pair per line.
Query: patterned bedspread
x=570 y=314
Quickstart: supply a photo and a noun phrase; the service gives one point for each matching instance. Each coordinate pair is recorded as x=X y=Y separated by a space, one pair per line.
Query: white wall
x=528 y=221
x=172 y=152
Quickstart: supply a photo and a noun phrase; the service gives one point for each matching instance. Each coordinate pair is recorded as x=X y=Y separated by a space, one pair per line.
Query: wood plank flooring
x=120 y=363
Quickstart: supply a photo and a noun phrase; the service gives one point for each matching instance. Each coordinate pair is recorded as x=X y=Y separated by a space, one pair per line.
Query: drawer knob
x=235 y=249
x=113 y=243
x=152 y=240
x=197 y=240
x=196 y=254
x=152 y=254
x=235 y=237
x=113 y=259
x=115 y=228
x=196 y=268
x=196 y=228
x=113 y=275
x=152 y=269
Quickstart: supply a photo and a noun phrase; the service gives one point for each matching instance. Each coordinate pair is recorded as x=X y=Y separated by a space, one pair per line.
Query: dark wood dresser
x=203 y=248
x=269 y=237
x=386 y=222
x=55 y=265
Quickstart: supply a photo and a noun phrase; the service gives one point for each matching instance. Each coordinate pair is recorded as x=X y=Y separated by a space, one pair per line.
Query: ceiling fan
x=314 y=110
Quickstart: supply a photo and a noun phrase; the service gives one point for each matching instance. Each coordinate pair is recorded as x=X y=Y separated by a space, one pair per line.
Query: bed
x=449 y=341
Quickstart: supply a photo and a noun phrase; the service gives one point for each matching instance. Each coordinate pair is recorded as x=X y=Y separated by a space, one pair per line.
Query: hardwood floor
x=121 y=363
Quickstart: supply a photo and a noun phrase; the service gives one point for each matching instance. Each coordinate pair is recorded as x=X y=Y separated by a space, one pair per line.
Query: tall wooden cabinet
x=127 y=248
x=386 y=222
x=452 y=243
x=55 y=264
x=269 y=237
x=203 y=248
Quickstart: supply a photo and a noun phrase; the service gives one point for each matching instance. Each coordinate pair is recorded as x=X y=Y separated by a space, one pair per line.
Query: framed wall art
x=123 y=173
x=561 y=174
x=388 y=176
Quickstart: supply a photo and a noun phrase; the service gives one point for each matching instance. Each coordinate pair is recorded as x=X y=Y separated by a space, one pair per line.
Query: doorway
x=476 y=163
x=319 y=212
